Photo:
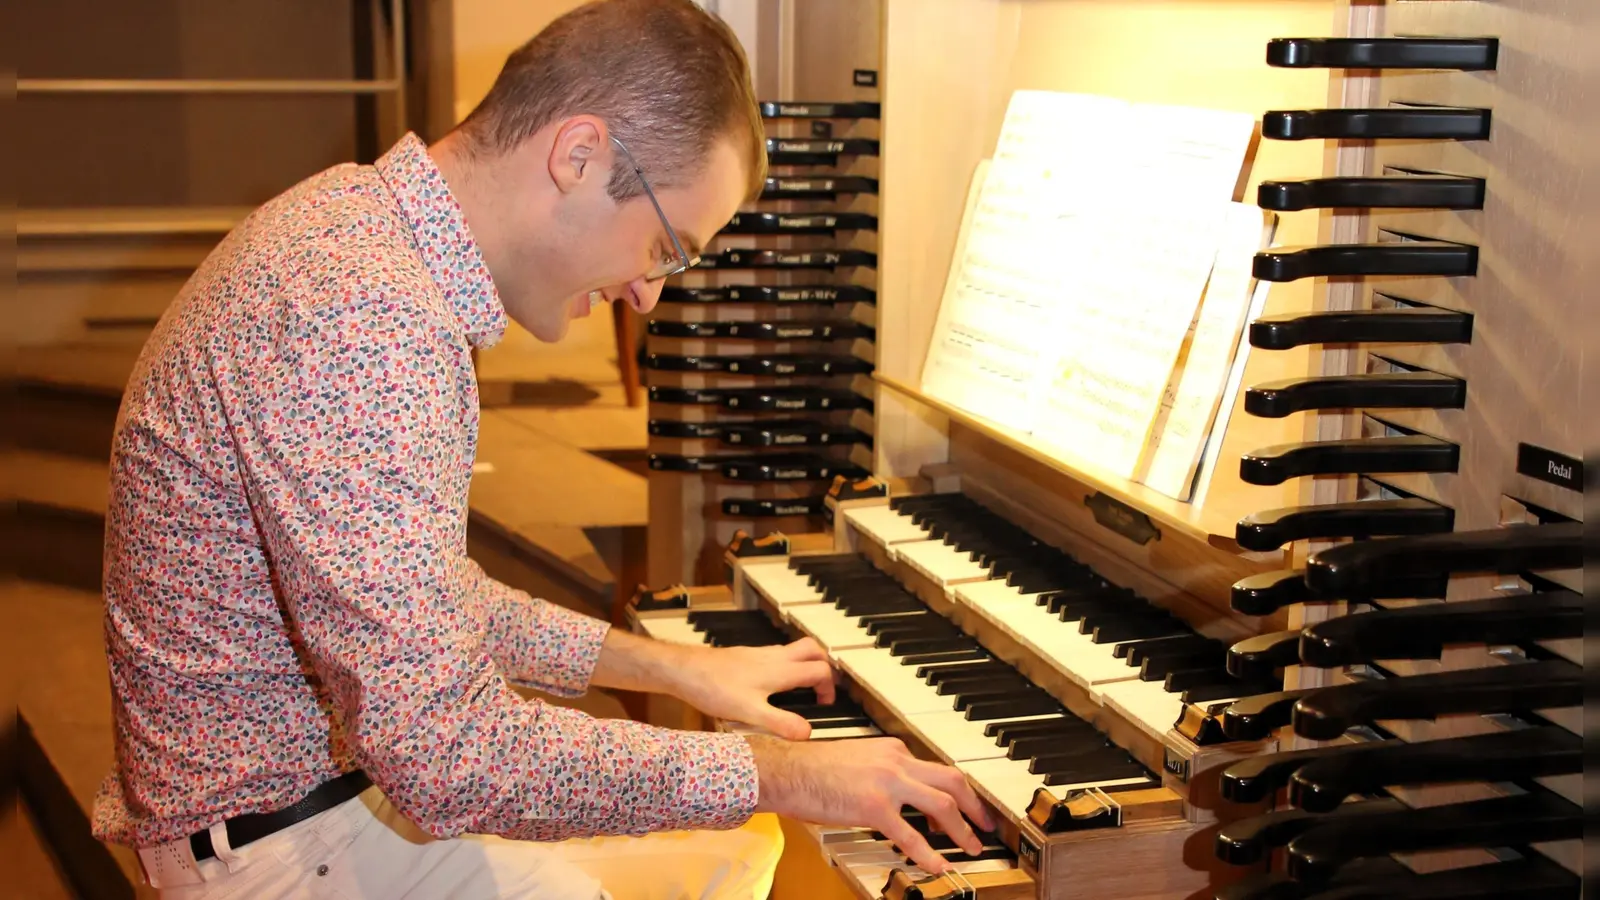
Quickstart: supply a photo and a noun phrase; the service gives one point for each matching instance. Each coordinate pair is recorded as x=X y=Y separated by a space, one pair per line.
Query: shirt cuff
x=541 y=644
x=567 y=651
x=720 y=784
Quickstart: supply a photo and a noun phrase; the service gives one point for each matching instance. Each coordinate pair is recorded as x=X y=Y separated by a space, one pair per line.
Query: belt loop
x=225 y=852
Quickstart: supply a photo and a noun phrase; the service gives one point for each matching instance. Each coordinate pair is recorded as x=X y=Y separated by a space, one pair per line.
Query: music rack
x=1406 y=434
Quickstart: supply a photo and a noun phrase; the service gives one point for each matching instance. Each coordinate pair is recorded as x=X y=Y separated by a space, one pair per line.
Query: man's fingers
x=785 y=724
x=819 y=677
x=913 y=845
x=944 y=810
x=953 y=781
x=806 y=649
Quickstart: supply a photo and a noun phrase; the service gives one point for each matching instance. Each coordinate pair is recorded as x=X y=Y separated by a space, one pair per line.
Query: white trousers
x=364 y=849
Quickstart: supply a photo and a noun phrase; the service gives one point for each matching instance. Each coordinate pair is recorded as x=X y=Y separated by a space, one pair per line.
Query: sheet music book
x=1200 y=378
x=1230 y=397
x=1087 y=244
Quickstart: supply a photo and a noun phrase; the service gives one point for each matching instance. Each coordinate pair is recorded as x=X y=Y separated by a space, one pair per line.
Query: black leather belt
x=255 y=826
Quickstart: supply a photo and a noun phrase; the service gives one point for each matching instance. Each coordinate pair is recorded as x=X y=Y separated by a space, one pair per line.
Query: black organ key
x=877 y=623
x=1406 y=453
x=1183 y=681
x=1060 y=727
x=820 y=718
x=980 y=685
x=966 y=699
x=1464 y=54
x=1394 y=122
x=1357 y=568
x=1101 y=768
x=1109 y=630
x=935 y=675
x=1229 y=689
x=1058 y=746
x=1401 y=325
x=911 y=646
x=1273 y=528
x=1036 y=704
x=921 y=659
x=1326 y=713
x=1161 y=668
x=794 y=697
x=1418 y=191
x=1136 y=652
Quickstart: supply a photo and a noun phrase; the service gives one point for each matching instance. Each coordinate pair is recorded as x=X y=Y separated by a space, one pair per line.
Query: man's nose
x=645 y=294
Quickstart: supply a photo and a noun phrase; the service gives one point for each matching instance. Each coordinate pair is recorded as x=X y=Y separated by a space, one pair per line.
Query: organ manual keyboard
x=1083 y=713
x=1215 y=494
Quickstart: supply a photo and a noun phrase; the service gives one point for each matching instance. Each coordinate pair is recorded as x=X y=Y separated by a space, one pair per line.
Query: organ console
x=1340 y=660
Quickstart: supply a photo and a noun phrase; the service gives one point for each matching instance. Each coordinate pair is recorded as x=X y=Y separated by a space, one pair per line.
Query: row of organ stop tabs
x=1369 y=687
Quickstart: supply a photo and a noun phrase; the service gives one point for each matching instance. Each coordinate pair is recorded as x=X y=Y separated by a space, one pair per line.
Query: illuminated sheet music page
x=973 y=361
x=1201 y=376
x=1085 y=249
x=1137 y=279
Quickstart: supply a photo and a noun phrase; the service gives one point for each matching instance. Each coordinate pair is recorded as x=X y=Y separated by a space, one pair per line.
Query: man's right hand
x=864 y=783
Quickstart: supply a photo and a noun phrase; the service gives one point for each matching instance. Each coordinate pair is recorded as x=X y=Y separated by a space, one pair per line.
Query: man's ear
x=580 y=152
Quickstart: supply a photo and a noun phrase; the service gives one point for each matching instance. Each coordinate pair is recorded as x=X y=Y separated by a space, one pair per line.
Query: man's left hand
x=734 y=683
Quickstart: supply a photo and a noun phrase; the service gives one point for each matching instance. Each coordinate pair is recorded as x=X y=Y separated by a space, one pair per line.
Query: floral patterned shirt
x=288 y=593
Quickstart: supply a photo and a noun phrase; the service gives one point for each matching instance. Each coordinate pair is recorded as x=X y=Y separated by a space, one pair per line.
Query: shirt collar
x=443 y=239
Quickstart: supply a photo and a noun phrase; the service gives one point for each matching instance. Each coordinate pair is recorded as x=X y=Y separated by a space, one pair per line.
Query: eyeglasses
x=670 y=265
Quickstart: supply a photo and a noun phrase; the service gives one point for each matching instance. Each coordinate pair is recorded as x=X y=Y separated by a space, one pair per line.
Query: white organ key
x=1146 y=703
x=817 y=734
x=957 y=738
x=897 y=684
x=832 y=628
x=1010 y=783
x=941 y=562
x=885 y=525
x=781 y=584
x=1077 y=655
x=675 y=629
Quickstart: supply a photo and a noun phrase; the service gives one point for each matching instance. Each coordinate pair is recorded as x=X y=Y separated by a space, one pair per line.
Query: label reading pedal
x=1550 y=467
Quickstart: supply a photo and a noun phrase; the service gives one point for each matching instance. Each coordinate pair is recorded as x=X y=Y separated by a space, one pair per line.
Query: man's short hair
x=667 y=77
